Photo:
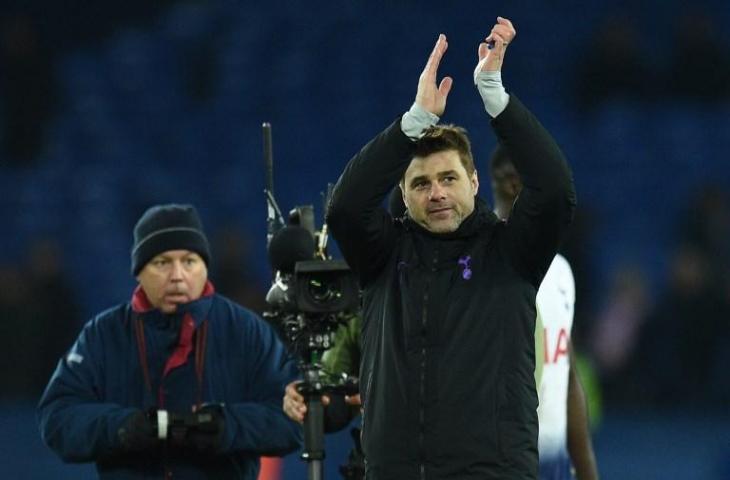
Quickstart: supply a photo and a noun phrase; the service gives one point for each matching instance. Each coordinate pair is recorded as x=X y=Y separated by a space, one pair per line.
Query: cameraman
x=343 y=357
x=179 y=382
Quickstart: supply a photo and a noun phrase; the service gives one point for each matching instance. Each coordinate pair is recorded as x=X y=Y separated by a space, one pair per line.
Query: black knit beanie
x=168 y=227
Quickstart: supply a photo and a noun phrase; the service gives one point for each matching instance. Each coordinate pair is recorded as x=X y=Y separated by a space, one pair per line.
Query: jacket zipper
x=422 y=403
x=422 y=391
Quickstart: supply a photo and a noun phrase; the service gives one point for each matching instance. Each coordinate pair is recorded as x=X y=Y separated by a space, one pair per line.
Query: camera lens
x=323 y=291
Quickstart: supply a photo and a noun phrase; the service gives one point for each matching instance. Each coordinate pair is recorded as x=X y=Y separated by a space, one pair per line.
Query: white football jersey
x=555 y=302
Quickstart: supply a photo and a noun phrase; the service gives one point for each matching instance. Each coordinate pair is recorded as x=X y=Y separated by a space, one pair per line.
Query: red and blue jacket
x=134 y=357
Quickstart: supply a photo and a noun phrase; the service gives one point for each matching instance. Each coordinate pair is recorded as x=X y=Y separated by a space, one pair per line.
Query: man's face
x=506 y=186
x=438 y=191
x=173 y=277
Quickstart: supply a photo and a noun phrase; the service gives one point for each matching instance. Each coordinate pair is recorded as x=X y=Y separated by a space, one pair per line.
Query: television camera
x=310 y=297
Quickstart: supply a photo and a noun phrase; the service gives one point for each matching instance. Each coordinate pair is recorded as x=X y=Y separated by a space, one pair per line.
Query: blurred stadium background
x=107 y=108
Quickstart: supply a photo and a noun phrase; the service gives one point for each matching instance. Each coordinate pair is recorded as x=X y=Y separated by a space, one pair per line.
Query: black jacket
x=447 y=372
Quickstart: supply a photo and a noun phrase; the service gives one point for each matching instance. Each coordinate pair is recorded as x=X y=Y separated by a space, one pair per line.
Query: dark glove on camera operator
x=198 y=432
x=179 y=381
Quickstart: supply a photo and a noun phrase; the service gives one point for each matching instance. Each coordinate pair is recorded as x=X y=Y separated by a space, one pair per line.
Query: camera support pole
x=314 y=438
x=312 y=389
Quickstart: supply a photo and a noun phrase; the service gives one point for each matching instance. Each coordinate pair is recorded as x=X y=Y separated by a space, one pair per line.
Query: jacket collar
x=198 y=309
x=481 y=217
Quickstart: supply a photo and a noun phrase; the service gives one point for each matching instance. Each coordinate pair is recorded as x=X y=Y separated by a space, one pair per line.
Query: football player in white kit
x=564 y=441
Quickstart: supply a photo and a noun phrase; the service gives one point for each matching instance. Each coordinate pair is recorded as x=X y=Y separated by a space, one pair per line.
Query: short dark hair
x=506 y=180
x=499 y=158
x=501 y=165
x=440 y=138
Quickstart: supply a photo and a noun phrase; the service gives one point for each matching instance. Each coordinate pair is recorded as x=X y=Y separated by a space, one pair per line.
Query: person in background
x=564 y=439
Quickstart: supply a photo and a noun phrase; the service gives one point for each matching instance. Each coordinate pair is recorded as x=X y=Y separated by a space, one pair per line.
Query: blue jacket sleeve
x=259 y=425
x=73 y=420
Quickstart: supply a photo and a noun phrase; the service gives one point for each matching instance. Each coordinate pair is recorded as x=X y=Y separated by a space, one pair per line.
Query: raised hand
x=430 y=97
x=492 y=49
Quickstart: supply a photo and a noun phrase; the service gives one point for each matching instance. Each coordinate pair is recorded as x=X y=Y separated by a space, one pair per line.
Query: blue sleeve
x=73 y=420
x=260 y=425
